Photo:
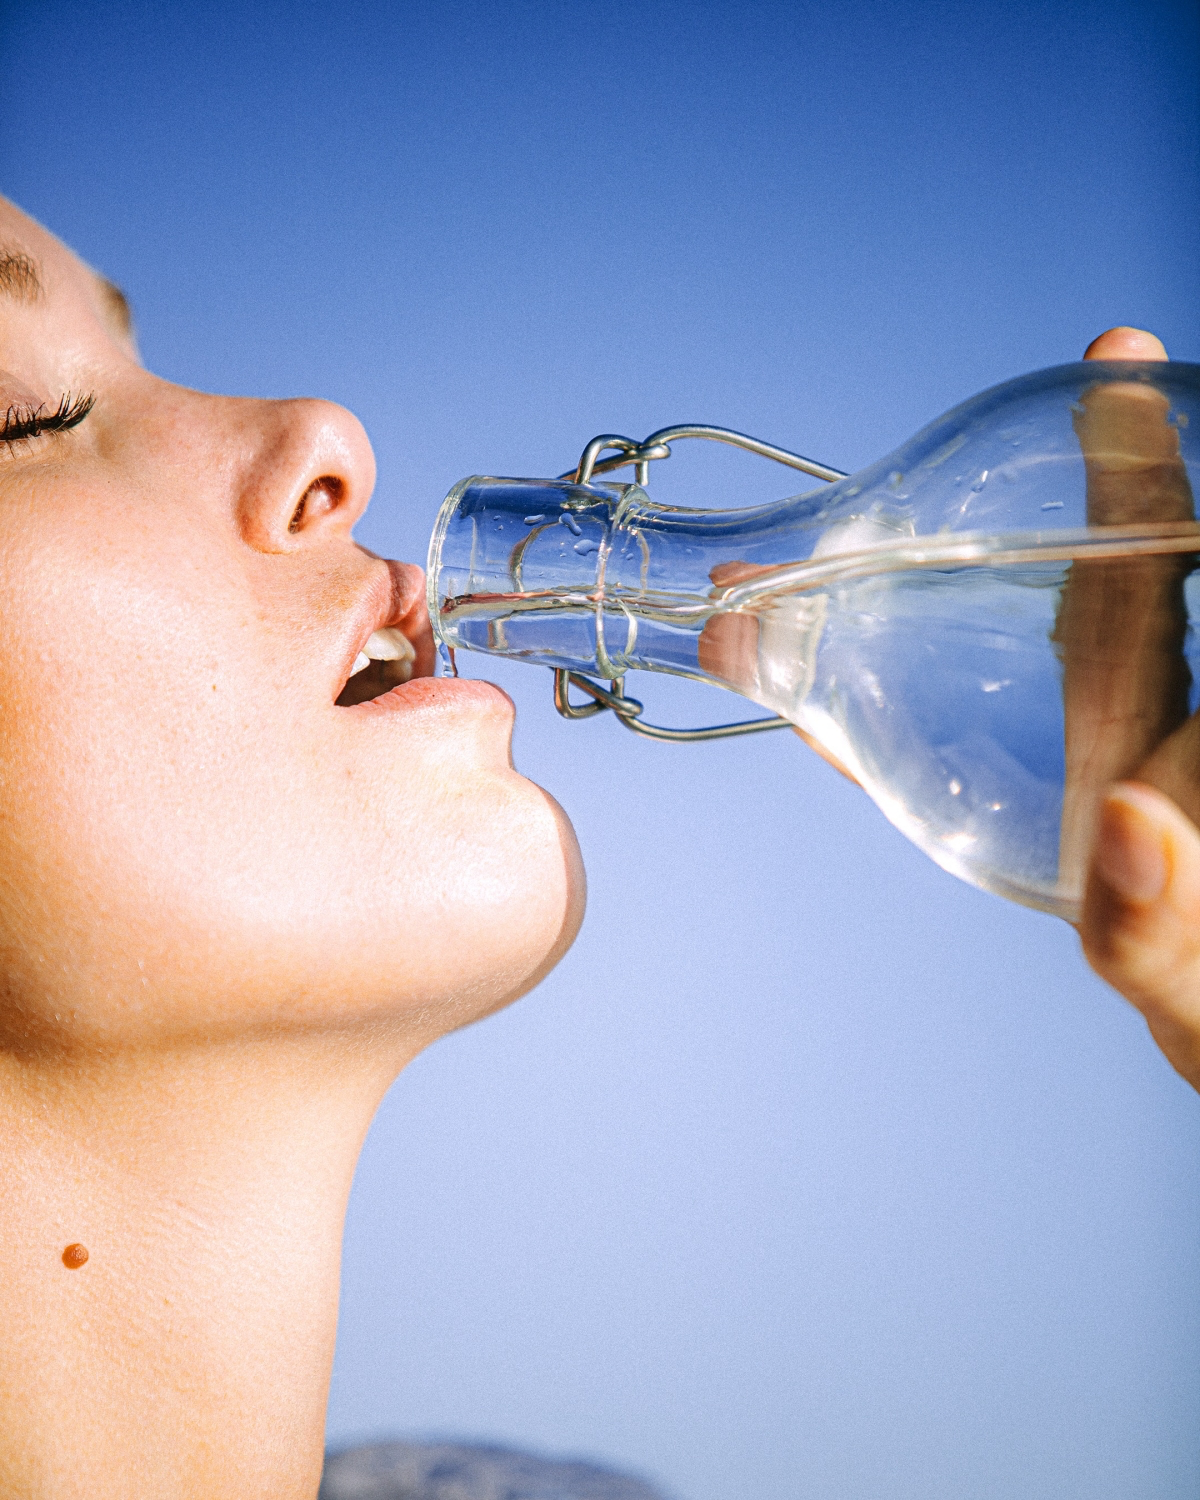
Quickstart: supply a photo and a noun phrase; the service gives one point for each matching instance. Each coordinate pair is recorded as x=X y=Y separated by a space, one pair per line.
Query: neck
x=190 y=1355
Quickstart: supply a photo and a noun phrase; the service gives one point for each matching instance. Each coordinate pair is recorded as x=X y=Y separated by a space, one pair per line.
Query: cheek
x=183 y=859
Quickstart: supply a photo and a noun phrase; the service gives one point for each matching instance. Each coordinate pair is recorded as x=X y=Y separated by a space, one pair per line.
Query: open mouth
x=387 y=660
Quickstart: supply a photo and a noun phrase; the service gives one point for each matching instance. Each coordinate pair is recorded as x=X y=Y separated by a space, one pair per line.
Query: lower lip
x=457 y=695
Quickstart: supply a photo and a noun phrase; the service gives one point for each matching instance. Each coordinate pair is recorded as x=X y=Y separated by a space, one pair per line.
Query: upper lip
x=393 y=599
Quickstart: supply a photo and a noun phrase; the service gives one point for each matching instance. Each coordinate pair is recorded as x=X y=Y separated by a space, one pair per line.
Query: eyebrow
x=19 y=279
x=19 y=276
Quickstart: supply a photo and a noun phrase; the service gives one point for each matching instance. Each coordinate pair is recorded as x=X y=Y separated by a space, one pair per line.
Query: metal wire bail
x=629 y=451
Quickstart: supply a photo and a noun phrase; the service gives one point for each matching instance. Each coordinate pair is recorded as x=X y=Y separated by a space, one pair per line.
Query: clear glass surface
x=986 y=627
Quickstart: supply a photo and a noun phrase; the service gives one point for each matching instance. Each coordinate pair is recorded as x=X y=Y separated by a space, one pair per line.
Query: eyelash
x=21 y=423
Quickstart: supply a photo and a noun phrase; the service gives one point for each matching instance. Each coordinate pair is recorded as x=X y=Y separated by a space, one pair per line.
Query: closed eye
x=24 y=422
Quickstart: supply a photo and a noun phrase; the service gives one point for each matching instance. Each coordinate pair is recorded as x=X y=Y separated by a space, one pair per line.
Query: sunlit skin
x=230 y=909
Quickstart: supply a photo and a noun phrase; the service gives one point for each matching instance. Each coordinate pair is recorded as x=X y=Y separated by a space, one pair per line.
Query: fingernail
x=1129 y=852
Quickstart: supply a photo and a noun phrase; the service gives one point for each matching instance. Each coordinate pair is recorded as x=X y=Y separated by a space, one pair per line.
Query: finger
x=827 y=755
x=728 y=649
x=1121 y=623
x=728 y=645
x=1126 y=343
x=1131 y=452
x=1174 y=768
x=1141 y=916
x=726 y=574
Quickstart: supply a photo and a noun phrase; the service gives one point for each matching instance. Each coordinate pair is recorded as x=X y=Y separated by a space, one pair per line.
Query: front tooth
x=360 y=661
x=390 y=644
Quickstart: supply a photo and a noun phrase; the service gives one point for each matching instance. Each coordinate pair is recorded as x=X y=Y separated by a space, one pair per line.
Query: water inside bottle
x=985 y=708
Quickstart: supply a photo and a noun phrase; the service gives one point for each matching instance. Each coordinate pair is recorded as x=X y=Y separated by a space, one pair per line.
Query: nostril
x=322 y=495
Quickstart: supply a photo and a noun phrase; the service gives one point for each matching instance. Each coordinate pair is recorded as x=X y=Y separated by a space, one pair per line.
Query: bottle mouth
x=528 y=544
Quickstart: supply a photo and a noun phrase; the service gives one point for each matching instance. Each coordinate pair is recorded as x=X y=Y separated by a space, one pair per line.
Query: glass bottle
x=984 y=628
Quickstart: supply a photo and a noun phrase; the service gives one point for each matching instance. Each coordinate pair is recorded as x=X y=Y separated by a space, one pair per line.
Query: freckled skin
x=230 y=909
x=74 y=1256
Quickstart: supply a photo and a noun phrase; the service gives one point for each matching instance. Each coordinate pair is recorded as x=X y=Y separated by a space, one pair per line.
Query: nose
x=305 y=471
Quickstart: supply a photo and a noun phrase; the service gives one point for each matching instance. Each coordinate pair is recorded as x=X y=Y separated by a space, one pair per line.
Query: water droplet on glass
x=533 y=520
x=894 y=478
x=569 y=521
x=955 y=788
x=586 y=546
x=1053 y=505
x=980 y=482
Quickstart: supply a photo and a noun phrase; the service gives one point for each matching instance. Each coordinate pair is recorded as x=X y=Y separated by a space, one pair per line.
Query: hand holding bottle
x=1120 y=635
x=1140 y=923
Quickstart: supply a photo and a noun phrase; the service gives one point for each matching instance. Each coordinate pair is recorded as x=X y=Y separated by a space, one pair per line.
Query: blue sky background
x=811 y=1171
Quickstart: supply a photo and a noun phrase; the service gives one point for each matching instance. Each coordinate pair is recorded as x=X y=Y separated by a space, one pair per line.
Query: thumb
x=1126 y=343
x=1141 y=916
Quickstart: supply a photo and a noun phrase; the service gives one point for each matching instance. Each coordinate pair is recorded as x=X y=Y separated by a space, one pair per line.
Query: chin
x=455 y=904
x=508 y=901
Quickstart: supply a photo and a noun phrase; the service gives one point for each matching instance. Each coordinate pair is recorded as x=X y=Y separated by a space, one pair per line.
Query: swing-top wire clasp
x=658 y=445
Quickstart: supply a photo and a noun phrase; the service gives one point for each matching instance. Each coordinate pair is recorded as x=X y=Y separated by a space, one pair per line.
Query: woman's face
x=195 y=836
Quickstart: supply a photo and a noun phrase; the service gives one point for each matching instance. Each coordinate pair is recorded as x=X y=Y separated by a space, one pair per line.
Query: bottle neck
x=598 y=579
